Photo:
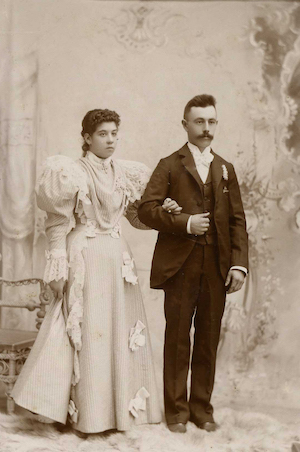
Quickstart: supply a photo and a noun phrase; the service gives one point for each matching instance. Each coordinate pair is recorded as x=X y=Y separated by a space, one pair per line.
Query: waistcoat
x=208 y=205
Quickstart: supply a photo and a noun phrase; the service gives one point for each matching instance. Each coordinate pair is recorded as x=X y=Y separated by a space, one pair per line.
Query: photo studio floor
x=240 y=431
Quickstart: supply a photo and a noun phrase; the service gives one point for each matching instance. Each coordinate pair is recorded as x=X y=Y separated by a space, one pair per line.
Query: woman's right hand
x=58 y=288
x=171 y=206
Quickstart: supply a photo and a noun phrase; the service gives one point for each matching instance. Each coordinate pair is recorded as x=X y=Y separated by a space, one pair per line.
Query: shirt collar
x=194 y=149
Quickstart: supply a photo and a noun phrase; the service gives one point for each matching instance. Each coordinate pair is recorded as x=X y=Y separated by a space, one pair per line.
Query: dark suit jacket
x=176 y=177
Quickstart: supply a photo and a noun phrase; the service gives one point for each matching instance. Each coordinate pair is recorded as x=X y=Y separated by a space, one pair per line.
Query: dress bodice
x=106 y=191
x=90 y=191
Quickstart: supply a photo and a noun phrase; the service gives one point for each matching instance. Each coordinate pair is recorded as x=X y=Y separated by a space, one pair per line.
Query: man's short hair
x=202 y=100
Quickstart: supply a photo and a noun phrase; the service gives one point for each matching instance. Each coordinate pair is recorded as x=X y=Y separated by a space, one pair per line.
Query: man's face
x=104 y=140
x=200 y=125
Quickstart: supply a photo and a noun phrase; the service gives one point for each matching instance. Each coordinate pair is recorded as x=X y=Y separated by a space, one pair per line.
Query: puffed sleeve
x=61 y=186
x=137 y=176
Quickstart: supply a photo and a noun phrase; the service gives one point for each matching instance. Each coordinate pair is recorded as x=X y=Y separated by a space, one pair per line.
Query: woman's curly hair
x=92 y=119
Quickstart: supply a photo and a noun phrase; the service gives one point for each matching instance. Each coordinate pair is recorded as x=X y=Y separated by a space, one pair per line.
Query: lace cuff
x=57 y=266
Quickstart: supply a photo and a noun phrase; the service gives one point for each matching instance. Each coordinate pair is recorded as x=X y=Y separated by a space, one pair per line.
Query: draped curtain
x=18 y=122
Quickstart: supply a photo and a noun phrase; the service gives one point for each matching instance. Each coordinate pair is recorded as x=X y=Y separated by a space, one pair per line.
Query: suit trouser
x=198 y=290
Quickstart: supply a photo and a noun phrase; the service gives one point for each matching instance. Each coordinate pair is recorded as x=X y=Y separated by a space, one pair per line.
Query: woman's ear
x=87 y=138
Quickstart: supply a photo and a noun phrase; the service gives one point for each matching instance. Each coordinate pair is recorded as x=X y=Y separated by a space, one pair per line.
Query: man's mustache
x=206 y=135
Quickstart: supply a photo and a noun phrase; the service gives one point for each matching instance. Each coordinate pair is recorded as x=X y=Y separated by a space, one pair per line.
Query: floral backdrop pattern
x=146 y=59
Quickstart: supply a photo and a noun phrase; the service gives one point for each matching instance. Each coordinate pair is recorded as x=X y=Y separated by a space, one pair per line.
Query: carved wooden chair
x=15 y=345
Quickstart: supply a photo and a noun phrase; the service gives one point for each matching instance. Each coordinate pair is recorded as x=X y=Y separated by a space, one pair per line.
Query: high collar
x=98 y=161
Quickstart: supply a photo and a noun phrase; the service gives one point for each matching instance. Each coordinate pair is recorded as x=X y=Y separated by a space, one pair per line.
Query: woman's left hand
x=171 y=206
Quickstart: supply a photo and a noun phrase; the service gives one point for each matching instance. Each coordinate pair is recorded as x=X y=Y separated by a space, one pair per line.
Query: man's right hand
x=58 y=288
x=200 y=223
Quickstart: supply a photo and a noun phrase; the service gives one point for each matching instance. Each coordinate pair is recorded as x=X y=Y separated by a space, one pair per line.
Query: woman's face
x=104 y=140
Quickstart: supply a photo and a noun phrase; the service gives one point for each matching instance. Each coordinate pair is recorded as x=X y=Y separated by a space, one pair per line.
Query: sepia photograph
x=149 y=226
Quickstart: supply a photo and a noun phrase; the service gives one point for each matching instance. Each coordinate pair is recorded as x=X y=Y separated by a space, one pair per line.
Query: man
x=200 y=254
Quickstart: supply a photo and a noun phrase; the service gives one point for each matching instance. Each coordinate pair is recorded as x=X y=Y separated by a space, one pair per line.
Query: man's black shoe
x=177 y=428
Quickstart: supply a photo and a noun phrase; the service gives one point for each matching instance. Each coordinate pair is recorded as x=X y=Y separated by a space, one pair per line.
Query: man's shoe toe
x=208 y=426
x=177 y=428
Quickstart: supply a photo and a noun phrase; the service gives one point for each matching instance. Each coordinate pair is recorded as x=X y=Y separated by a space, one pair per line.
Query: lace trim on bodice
x=137 y=176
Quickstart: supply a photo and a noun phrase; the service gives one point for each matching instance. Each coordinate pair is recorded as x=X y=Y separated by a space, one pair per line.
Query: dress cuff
x=57 y=265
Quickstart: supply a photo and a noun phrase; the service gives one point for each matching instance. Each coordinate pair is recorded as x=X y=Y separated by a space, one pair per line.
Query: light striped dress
x=92 y=357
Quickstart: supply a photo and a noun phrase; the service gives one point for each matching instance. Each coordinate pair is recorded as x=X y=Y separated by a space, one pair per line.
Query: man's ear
x=184 y=123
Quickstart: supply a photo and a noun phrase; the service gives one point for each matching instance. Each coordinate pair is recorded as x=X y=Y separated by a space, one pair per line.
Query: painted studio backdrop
x=145 y=60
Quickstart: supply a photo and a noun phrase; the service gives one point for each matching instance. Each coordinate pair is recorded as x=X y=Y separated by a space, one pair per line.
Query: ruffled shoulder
x=137 y=176
x=61 y=178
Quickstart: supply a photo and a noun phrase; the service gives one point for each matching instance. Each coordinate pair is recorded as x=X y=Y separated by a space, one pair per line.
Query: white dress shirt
x=202 y=161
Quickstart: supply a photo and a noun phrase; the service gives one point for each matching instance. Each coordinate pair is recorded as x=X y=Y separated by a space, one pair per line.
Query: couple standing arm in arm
x=200 y=254
x=91 y=365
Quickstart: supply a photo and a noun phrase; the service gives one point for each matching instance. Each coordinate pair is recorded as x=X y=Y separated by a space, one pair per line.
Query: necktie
x=203 y=159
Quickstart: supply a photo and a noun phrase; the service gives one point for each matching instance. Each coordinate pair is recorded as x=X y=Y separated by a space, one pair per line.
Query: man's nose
x=206 y=126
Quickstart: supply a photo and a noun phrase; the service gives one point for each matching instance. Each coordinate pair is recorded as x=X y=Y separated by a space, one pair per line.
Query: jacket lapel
x=189 y=163
x=216 y=171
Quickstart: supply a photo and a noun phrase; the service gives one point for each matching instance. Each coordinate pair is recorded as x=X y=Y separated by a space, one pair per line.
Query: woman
x=92 y=357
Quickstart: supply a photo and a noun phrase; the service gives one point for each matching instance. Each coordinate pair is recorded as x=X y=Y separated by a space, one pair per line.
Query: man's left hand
x=235 y=280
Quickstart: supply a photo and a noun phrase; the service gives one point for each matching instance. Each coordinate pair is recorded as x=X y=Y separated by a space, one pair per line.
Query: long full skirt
x=116 y=386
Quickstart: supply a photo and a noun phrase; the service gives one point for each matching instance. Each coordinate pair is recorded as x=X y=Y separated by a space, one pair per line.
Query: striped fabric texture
x=90 y=358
